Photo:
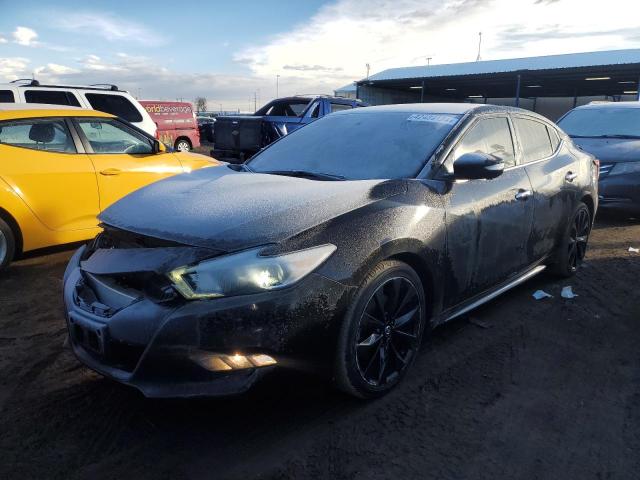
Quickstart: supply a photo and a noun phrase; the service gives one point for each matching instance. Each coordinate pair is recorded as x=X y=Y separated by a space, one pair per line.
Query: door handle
x=570 y=176
x=523 y=194
x=111 y=171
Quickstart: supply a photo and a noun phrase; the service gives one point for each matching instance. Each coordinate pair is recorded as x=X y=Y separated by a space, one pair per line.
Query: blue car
x=611 y=132
x=239 y=137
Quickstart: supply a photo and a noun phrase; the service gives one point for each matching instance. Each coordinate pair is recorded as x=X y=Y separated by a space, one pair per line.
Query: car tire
x=573 y=246
x=374 y=349
x=7 y=244
x=182 y=145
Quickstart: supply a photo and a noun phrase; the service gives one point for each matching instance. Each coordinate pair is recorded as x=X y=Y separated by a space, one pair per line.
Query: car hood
x=226 y=210
x=611 y=149
x=194 y=161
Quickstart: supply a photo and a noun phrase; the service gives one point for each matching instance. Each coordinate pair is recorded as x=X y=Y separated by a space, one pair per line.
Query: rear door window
x=6 y=96
x=51 y=135
x=117 y=105
x=555 y=139
x=51 y=97
x=534 y=139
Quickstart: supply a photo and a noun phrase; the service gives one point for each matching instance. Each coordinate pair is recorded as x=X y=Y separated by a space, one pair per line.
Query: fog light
x=217 y=362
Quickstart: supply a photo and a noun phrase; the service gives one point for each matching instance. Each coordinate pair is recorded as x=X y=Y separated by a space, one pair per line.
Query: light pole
x=277 y=86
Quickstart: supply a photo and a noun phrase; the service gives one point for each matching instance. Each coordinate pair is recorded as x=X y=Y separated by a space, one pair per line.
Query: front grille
x=605 y=168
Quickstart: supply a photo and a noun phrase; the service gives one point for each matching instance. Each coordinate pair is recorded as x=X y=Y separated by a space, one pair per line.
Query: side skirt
x=490 y=296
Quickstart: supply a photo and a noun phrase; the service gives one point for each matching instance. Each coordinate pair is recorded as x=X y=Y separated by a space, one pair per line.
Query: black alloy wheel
x=578 y=238
x=573 y=247
x=381 y=334
x=388 y=331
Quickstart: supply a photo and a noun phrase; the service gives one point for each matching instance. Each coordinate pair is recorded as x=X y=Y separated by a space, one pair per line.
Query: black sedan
x=611 y=132
x=336 y=247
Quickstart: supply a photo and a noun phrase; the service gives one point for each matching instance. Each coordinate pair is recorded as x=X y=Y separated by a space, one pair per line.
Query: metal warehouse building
x=550 y=85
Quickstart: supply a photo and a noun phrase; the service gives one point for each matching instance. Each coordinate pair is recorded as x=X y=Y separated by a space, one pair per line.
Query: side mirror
x=473 y=166
x=159 y=147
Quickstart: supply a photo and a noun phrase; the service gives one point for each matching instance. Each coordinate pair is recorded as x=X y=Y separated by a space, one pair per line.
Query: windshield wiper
x=304 y=173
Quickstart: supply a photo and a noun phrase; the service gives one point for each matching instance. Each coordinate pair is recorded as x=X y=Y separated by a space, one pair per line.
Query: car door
x=551 y=170
x=39 y=159
x=124 y=157
x=488 y=220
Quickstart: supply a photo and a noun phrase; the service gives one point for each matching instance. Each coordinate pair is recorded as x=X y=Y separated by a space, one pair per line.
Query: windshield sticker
x=433 y=117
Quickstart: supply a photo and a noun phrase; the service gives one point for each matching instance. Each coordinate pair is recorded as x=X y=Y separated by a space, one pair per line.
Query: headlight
x=247 y=272
x=621 y=168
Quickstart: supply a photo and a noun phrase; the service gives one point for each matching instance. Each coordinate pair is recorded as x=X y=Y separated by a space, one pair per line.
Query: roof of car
x=9 y=111
x=446 y=108
x=609 y=105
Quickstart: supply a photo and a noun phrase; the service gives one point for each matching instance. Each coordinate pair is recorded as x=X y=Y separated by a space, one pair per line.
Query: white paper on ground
x=634 y=250
x=540 y=294
x=567 y=292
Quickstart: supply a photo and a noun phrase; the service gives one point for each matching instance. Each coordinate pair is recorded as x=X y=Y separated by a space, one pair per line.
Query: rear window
x=534 y=139
x=338 y=107
x=115 y=105
x=6 y=96
x=291 y=108
x=51 y=97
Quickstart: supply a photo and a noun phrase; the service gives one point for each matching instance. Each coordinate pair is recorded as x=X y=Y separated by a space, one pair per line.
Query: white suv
x=105 y=98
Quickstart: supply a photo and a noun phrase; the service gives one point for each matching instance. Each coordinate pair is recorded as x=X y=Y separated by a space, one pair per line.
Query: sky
x=229 y=52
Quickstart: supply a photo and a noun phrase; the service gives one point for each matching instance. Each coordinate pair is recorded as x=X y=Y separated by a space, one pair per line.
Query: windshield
x=359 y=146
x=602 y=122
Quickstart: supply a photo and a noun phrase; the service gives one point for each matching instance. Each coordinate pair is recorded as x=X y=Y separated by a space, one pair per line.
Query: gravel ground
x=522 y=389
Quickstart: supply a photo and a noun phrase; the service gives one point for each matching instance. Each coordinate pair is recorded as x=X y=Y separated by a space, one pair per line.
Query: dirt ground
x=523 y=389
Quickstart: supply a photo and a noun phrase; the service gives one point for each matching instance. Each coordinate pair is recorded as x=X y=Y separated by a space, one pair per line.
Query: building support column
x=422 y=93
x=518 y=91
x=575 y=98
x=638 y=90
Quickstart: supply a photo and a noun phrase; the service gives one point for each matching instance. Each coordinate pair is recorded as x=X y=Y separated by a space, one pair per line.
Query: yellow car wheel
x=7 y=244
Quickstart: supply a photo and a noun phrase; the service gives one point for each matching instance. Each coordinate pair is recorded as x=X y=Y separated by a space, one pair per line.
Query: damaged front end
x=128 y=321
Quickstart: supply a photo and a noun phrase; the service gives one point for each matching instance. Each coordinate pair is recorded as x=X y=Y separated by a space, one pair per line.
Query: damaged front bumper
x=126 y=323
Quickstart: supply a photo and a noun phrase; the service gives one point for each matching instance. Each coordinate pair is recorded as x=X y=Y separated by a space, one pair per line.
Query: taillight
x=596 y=167
x=157 y=132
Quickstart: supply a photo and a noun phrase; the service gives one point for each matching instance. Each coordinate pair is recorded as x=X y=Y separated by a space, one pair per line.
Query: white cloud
x=343 y=36
x=54 y=69
x=3 y=40
x=13 y=67
x=25 y=36
x=109 y=27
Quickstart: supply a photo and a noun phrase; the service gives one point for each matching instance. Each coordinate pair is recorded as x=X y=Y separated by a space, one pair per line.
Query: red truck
x=176 y=123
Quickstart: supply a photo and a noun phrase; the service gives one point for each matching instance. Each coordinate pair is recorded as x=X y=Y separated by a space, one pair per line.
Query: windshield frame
x=426 y=165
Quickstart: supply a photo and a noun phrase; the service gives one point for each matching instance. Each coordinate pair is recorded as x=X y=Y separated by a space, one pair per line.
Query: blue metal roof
x=548 y=62
x=350 y=87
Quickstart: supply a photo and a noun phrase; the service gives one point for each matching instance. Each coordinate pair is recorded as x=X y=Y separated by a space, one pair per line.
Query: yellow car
x=61 y=166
